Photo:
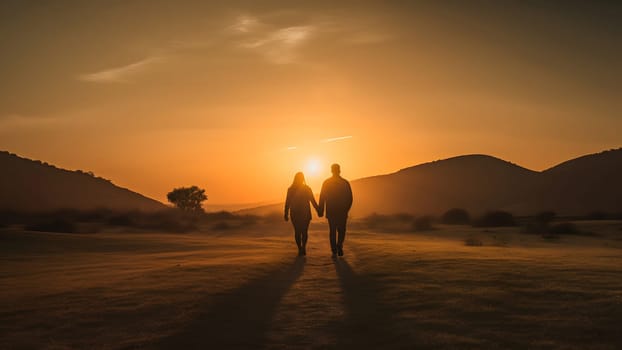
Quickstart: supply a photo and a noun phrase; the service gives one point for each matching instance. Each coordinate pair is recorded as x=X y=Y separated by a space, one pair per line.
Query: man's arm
x=349 y=195
x=320 y=206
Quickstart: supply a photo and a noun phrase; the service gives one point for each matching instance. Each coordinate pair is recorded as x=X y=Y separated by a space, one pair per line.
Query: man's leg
x=341 y=230
x=332 y=235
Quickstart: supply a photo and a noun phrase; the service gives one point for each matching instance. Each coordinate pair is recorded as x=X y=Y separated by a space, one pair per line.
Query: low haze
x=236 y=98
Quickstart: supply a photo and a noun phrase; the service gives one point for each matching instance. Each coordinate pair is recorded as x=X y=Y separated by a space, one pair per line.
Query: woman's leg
x=301 y=227
x=305 y=234
x=297 y=234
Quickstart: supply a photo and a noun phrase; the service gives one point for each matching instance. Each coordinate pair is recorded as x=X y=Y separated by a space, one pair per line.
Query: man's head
x=335 y=169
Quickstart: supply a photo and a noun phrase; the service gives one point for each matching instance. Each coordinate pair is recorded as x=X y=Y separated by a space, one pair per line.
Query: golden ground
x=247 y=289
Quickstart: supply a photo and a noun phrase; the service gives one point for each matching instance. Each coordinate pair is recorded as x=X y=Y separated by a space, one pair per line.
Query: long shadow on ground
x=368 y=322
x=240 y=319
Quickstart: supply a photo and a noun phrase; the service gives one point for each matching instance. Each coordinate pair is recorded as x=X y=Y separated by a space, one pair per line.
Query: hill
x=29 y=185
x=585 y=184
x=480 y=183
x=475 y=182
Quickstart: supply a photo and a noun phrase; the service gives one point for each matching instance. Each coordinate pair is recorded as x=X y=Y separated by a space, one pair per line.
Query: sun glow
x=313 y=167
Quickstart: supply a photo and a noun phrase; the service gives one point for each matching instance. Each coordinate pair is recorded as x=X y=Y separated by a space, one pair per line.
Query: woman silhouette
x=297 y=206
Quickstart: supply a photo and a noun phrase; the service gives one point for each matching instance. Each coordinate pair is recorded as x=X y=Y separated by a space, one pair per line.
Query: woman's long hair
x=299 y=180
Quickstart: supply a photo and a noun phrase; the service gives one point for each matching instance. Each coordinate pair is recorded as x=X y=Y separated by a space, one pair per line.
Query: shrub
x=7 y=218
x=221 y=215
x=533 y=227
x=273 y=217
x=473 y=242
x=222 y=225
x=61 y=225
x=374 y=220
x=121 y=220
x=403 y=217
x=564 y=228
x=544 y=218
x=423 y=223
x=169 y=224
x=456 y=216
x=249 y=220
x=539 y=223
x=550 y=237
x=401 y=222
x=598 y=215
x=97 y=215
x=496 y=218
x=175 y=221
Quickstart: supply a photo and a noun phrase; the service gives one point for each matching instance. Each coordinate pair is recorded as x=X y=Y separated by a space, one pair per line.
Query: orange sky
x=161 y=94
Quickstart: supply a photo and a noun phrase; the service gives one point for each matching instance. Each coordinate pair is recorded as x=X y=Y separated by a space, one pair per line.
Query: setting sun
x=313 y=167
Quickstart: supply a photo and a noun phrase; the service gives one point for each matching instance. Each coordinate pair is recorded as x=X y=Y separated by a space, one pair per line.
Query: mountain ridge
x=476 y=182
x=31 y=185
x=505 y=185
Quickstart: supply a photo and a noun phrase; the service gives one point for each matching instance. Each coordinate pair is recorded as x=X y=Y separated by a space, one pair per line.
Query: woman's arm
x=312 y=199
x=287 y=203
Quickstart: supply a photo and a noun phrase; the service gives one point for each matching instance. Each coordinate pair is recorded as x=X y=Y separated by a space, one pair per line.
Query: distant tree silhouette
x=599 y=215
x=540 y=223
x=544 y=218
x=187 y=198
x=374 y=220
x=564 y=228
x=496 y=218
x=423 y=223
x=61 y=224
x=456 y=216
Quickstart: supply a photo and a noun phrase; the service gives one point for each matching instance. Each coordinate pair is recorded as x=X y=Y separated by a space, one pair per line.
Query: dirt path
x=238 y=319
x=311 y=310
x=306 y=302
x=331 y=305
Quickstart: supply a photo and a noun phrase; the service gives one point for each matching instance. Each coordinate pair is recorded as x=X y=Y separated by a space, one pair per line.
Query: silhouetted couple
x=335 y=197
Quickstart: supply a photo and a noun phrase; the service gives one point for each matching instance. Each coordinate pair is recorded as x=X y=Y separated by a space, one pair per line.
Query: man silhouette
x=336 y=195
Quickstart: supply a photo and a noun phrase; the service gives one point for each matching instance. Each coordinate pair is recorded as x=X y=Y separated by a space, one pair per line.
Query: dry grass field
x=453 y=287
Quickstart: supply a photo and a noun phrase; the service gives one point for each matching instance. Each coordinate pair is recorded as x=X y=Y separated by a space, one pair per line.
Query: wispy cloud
x=276 y=44
x=280 y=46
x=18 y=121
x=333 y=139
x=245 y=24
x=121 y=74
